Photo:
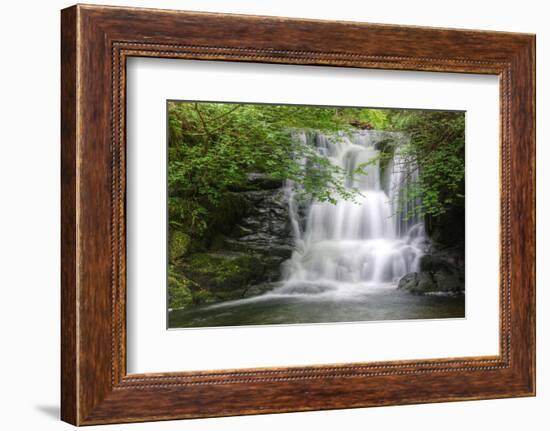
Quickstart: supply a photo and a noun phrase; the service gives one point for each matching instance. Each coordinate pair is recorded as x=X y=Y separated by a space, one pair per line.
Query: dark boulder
x=436 y=276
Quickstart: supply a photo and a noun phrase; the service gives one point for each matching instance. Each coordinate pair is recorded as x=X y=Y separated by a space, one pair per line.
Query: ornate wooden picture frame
x=96 y=41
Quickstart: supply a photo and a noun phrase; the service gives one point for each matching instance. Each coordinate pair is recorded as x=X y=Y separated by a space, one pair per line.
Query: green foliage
x=178 y=244
x=437 y=145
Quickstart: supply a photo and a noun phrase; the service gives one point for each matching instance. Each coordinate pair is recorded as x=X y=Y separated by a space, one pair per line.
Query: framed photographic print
x=265 y=215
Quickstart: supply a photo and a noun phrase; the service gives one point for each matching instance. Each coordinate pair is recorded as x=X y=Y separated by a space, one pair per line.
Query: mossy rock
x=179 y=291
x=219 y=277
x=440 y=281
x=179 y=244
x=418 y=283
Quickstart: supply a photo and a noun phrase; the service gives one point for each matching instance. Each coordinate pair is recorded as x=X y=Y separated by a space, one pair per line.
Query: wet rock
x=434 y=263
x=265 y=229
x=436 y=276
x=259 y=289
x=442 y=259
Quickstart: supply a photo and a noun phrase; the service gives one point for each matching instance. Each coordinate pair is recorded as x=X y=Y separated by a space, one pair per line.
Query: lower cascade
x=373 y=238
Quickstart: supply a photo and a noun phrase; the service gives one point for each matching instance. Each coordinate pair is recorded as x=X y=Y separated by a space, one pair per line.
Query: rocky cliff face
x=244 y=257
x=265 y=229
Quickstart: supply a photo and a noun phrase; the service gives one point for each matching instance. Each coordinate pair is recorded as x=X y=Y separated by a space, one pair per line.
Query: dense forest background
x=215 y=149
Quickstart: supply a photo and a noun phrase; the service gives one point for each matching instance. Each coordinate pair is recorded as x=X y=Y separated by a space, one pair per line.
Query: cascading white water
x=374 y=238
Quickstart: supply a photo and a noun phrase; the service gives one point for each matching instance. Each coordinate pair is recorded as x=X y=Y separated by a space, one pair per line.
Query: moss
x=219 y=277
x=224 y=268
x=179 y=244
x=202 y=296
x=179 y=291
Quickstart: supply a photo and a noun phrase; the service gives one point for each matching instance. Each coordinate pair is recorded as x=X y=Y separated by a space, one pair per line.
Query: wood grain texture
x=69 y=396
x=96 y=41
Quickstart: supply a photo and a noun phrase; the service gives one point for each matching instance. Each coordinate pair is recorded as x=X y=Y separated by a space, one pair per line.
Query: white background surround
x=151 y=348
x=29 y=220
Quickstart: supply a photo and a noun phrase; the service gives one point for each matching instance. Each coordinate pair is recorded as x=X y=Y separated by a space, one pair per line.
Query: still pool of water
x=320 y=303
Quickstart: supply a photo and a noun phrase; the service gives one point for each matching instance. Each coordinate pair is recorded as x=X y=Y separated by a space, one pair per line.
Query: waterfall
x=376 y=237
